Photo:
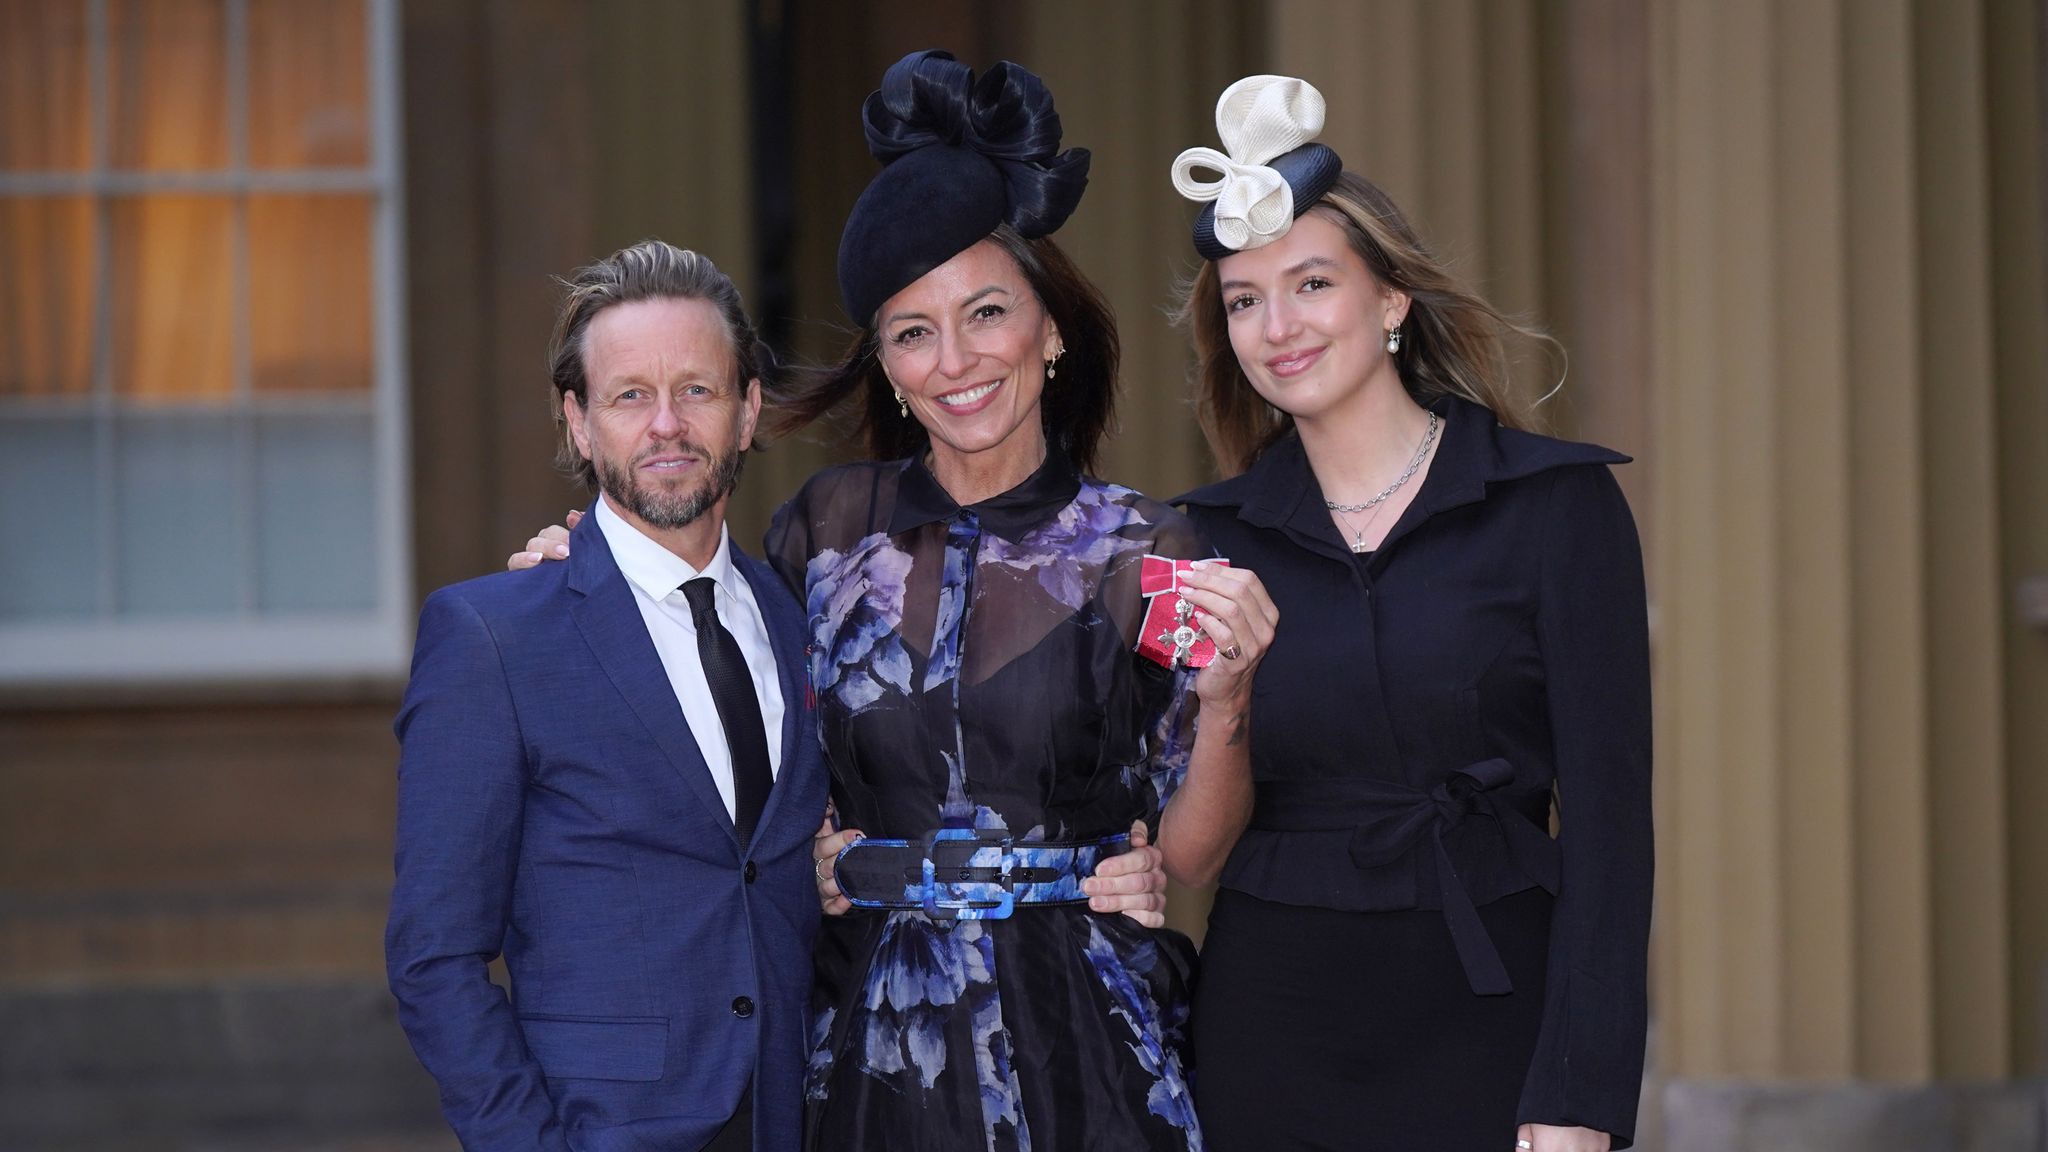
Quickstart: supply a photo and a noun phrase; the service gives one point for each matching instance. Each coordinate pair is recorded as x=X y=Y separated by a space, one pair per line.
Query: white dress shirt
x=657 y=576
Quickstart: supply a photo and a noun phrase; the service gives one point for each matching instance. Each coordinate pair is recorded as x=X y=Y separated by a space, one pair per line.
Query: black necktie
x=739 y=710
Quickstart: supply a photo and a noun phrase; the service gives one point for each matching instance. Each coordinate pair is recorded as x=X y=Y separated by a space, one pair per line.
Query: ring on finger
x=1231 y=653
x=1523 y=1144
x=818 y=868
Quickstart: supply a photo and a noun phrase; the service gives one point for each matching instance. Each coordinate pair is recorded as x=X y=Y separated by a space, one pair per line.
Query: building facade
x=275 y=286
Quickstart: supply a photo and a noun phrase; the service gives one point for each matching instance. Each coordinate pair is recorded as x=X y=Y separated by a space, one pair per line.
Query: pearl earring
x=902 y=405
x=1394 y=339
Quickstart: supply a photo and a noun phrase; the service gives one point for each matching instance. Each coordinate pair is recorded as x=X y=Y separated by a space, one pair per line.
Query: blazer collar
x=590 y=561
x=611 y=622
x=920 y=500
x=1280 y=490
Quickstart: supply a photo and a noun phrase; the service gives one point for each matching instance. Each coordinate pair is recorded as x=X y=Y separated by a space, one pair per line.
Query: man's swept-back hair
x=649 y=270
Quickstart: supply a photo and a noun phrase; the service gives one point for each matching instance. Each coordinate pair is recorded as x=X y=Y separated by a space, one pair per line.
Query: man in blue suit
x=609 y=774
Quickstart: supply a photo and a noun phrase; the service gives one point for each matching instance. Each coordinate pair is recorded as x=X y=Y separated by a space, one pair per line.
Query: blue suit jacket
x=553 y=808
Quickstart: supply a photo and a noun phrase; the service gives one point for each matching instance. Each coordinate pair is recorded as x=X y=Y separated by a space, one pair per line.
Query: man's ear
x=750 y=413
x=579 y=430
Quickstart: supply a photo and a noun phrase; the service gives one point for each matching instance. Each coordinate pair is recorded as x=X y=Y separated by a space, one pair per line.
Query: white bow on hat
x=1258 y=118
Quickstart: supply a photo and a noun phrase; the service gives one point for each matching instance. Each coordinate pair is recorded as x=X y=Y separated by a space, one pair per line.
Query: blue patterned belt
x=1387 y=820
x=969 y=873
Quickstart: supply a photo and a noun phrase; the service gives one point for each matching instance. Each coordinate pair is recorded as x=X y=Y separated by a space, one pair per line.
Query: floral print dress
x=973 y=668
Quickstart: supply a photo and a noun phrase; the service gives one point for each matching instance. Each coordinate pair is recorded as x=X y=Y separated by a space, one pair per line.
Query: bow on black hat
x=960 y=156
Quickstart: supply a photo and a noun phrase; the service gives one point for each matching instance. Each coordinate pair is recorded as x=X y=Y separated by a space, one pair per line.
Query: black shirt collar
x=920 y=499
x=1280 y=490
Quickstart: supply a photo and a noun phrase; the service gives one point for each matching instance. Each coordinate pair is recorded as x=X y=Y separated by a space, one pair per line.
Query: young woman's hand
x=551 y=544
x=1545 y=1138
x=1133 y=882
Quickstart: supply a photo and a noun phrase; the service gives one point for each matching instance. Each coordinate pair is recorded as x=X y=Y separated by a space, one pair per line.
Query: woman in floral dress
x=974 y=602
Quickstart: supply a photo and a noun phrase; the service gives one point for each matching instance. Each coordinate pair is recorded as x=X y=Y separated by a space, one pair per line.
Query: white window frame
x=247 y=646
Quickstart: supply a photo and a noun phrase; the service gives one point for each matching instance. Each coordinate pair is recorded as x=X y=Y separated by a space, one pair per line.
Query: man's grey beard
x=659 y=509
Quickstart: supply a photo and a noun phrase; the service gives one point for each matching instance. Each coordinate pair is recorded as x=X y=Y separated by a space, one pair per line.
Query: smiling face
x=1308 y=320
x=665 y=420
x=966 y=345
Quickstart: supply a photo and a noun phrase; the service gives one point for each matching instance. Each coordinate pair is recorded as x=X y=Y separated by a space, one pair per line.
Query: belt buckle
x=965 y=908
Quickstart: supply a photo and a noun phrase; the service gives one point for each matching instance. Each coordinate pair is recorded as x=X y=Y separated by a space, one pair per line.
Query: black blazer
x=1415 y=711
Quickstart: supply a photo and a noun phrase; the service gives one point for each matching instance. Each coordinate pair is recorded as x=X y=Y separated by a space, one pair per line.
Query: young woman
x=1400 y=956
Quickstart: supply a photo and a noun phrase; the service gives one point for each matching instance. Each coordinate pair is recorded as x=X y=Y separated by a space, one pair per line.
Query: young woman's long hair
x=1452 y=342
x=1077 y=408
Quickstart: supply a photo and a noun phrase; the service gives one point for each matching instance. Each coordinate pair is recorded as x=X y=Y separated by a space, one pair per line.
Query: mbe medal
x=1169 y=636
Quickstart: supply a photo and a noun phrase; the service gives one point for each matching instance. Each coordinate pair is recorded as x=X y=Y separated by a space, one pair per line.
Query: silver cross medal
x=1184 y=634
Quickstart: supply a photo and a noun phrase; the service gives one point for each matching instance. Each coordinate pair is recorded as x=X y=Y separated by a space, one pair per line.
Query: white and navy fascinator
x=1270 y=171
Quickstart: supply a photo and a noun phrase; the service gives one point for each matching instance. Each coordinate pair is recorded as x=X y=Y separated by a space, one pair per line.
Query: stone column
x=1847 y=299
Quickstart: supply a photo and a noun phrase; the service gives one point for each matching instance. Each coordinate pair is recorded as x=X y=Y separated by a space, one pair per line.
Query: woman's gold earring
x=902 y=405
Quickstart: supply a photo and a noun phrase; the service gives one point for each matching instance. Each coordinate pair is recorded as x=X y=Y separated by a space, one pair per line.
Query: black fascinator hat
x=960 y=156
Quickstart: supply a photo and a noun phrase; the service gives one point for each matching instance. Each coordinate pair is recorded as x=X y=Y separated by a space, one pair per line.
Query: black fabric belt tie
x=1388 y=819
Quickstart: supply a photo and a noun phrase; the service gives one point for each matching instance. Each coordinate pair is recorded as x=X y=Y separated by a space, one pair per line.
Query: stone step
x=2008 y=1116
x=246 y=1065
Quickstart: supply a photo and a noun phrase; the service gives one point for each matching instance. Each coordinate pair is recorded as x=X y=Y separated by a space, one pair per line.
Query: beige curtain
x=172 y=259
x=45 y=242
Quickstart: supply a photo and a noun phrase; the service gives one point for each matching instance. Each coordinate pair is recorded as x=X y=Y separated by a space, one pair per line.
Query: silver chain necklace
x=1421 y=453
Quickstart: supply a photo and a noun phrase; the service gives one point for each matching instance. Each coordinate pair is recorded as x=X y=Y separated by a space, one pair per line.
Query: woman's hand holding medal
x=1232 y=609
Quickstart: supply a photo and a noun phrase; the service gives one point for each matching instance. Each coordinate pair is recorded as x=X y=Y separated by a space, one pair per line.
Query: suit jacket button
x=742 y=1006
x=749 y=872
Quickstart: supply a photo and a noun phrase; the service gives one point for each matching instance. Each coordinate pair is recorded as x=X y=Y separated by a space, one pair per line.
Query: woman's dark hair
x=1453 y=340
x=1078 y=406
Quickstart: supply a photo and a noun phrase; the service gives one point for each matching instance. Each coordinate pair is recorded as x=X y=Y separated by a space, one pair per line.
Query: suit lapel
x=786 y=638
x=610 y=621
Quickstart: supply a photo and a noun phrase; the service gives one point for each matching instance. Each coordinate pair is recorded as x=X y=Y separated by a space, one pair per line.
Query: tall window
x=201 y=445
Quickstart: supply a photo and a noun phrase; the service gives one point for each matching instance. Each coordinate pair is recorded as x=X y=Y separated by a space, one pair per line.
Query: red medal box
x=1169 y=637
